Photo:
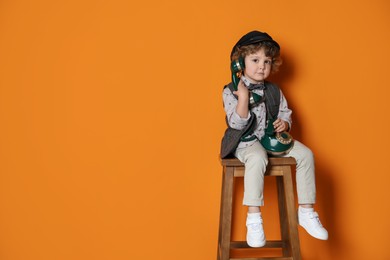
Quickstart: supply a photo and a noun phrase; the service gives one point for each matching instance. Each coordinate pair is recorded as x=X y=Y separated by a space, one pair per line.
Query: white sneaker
x=310 y=221
x=255 y=233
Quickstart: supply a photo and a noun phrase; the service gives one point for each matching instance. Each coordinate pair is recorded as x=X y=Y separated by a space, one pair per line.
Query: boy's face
x=257 y=66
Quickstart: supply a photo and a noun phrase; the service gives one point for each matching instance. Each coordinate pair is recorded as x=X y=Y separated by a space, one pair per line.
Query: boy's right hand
x=242 y=91
x=243 y=100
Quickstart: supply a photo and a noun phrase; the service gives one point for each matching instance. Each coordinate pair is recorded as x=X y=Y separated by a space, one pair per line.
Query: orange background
x=111 y=120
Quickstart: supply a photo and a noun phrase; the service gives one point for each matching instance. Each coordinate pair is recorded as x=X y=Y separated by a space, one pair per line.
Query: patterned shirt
x=236 y=122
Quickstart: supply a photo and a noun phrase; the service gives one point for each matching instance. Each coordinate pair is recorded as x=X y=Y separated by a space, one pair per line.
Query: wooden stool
x=281 y=169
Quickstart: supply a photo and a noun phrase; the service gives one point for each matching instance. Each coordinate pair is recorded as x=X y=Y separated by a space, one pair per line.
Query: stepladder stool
x=281 y=168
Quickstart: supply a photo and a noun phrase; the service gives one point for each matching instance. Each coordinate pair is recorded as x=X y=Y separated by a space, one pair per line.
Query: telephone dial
x=274 y=143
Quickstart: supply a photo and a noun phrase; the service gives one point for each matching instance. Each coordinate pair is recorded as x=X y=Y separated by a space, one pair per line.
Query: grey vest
x=232 y=137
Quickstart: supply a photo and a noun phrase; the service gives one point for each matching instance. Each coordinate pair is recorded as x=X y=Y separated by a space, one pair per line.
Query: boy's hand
x=280 y=125
x=243 y=100
x=242 y=91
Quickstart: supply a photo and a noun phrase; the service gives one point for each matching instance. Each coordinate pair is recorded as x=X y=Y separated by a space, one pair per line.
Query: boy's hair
x=270 y=50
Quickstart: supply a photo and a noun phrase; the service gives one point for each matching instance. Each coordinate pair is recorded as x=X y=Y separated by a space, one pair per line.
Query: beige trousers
x=255 y=159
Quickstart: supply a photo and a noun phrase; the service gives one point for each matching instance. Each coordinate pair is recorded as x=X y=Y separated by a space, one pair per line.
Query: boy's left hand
x=280 y=125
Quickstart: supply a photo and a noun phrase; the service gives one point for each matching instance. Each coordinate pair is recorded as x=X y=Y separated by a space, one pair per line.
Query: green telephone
x=237 y=67
x=276 y=143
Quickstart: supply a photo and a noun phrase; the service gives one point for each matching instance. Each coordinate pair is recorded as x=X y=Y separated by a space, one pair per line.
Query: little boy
x=261 y=56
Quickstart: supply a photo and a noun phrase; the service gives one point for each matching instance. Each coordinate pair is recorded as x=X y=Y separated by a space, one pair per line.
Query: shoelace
x=314 y=215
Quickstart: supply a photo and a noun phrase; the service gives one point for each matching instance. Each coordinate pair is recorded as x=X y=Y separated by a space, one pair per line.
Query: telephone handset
x=237 y=67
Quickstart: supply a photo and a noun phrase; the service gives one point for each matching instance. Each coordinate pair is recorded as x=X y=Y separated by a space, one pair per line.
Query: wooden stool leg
x=291 y=214
x=225 y=218
x=283 y=216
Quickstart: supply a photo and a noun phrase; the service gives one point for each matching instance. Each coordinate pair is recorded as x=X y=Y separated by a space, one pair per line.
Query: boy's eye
x=265 y=62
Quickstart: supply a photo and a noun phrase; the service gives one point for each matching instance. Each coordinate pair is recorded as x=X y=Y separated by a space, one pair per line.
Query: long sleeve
x=284 y=111
x=230 y=104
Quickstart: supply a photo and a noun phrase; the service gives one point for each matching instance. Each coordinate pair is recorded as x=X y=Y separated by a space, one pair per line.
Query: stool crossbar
x=289 y=243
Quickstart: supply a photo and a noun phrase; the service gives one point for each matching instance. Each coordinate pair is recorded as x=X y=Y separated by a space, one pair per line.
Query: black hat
x=254 y=37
